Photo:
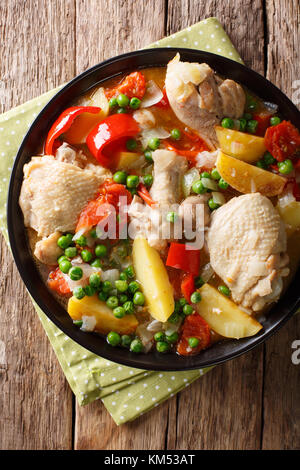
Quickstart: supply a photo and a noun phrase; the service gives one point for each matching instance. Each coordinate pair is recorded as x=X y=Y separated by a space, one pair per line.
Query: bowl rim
x=130 y=359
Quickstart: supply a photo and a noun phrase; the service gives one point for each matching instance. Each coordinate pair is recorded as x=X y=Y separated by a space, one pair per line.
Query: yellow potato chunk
x=290 y=214
x=153 y=277
x=128 y=160
x=247 y=178
x=224 y=316
x=105 y=320
x=246 y=147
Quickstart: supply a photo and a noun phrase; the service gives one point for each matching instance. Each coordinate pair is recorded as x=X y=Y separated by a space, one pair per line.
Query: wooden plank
x=213 y=411
x=282 y=379
x=35 y=401
x=114 y=28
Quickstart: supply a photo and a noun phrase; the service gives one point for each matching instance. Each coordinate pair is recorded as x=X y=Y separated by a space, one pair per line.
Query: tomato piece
x=194 y=326
x=164 y=102
x=188 y=286
x=189 y=146
x=263 y=120
x=110 y=131
x=100 y=208
x=57 y=282
x=134 y=85
x=282 y=140
x=182 y=256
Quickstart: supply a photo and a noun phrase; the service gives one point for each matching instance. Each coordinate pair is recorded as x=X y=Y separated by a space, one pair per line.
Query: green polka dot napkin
x=126 y=392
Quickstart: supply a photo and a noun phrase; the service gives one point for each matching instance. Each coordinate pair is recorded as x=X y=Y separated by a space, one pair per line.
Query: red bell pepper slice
x=134 y=85
x=144 y=194
x=64 y=122
x=282 y=140
x=57 y=282
x=188 y=286
x=263 y=120
x=181 y=256
x=111 y=129
x=194 y=326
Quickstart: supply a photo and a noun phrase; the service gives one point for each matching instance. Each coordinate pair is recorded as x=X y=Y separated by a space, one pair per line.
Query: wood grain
x=281 y=406
x=35 y=399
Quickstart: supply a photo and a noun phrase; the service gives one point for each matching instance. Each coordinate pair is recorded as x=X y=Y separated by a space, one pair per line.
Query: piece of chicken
x=53 y=194
x=200 y=98
x=47 y=251
x=247 y=246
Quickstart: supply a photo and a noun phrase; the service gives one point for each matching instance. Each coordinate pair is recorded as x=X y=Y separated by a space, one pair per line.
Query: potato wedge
x=247 y=178
x=153 y=277
x=290 y=214
x=246 y=147
x=128 y=160
x=224 y=316
x=105 y=320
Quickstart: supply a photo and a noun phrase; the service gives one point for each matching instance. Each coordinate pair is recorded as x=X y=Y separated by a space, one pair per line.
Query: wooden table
x=250 y=403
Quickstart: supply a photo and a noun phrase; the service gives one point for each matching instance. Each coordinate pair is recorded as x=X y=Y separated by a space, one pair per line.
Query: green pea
x=121 y=286
x=195 y=297
x=148 y=156
x=132 y=181
x=65 y=266
x=78 y=323
x=198 y=187
x=212 y=204
x=275 y=120
x=128 y=307
x=247 y=116
x=113 y=102
x=251 y=103
x=93 y=233
x=122 y=100
x=222 y=184
x=63 y=242
x=187 y=309
x=175 y=134
x=268 y=159
x=224 y=290
x=95 y=280
x=162 y=346
x=136 y=346
x=131 y=144
x=252 y=126
x=199 y=281
x=134 y=103
x=285 y=167
x=107 y=286
x=182 y=302
x=205 y=174
x=177 y=306
x=193 y=342
x=122 y=111
x=138 y=298
x=112 y=301
x=86 y=255
x=159 y=336
x=75 y=273
x=113 y=338
x=172 y=338
x=120 y=177
x=89 y=290
x=215 y=174
x=100 y=251
x=103 y=296
x=81 y=241
x=154 y=143
x=171 y=217
x=62 y=257
x=123 y=298
x=228 y=123
x=261 y=164
x=71 y=252
x=126 y=341
x=175 y=317
x=129 y=271
x=133 y=287
x=119 y=312
x=243 y=124
x=123 y=276
x=148 y=180
x=78 y=292
x=96 y=263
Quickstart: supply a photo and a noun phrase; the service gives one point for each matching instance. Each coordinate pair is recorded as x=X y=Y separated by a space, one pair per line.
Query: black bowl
x=218 y=353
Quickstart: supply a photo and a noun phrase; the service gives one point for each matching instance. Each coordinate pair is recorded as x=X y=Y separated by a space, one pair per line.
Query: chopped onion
x=287 y=197
x=188 y=180
x=206 y=159
x=206 y=272
x=111 y=275
x=154 y=326
x=218 y=198
x=88 y=323
x=148 y=134
x=145 y=335
x=271 y=107
x=209 y=184
x=79 y=233
x=144 y=118
x=99 y=99
x=152 y=96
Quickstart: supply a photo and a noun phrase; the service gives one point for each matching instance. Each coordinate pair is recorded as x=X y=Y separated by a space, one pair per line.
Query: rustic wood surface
x=250 y=403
